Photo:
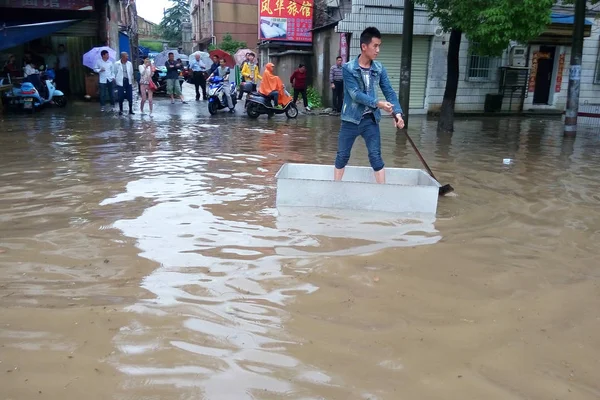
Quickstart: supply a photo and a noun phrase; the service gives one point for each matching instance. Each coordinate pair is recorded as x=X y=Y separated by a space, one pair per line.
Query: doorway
x=543 y=79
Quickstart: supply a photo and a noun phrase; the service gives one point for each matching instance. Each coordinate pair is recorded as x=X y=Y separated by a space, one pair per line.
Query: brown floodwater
x=144 y=258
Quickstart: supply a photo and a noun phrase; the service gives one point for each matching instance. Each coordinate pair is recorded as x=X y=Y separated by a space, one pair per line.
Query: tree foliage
x=492 y=23
x=170 y=26
x=229 y=45
x=490 y=26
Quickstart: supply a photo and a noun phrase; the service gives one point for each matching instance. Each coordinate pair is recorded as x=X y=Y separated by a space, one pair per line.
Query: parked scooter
x=258 y=104
x=216 y=94
x=27 y=97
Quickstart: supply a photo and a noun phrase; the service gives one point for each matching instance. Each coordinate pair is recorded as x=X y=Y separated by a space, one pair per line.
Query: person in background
x=123 y=70
x=240 y=91
x=198 y=70
x=337 y=85
x=214 y=65
x=10 y=68
x=173 y=86
x=298 y=81
x=250 y=73
x=224 y=72
x=106 y=79
x=146 y=72
x=272 y=86
x=62 y=70
x=32 y=74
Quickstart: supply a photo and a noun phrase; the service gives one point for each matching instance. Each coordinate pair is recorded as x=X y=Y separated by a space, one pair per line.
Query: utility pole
x=407 y=45
x=575 y=70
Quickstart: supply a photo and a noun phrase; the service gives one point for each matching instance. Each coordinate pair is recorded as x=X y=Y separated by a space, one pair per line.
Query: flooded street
x=143 y=258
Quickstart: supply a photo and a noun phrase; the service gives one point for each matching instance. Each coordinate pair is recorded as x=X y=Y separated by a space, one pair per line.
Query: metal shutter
x=390 y=56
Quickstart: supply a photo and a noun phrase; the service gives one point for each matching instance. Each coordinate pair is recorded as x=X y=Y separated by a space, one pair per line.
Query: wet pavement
x=142 y=257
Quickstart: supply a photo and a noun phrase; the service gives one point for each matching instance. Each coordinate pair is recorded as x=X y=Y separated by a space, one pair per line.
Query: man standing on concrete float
x=361 y=110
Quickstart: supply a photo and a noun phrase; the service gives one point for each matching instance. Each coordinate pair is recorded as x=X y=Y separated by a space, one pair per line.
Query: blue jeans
x=369 y=130
x=274 y=96
x=107 y=93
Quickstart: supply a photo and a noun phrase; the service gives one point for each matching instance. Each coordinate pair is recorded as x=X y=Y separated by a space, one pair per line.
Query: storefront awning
x=560 y=30
x=12 y=34
x=565 y=19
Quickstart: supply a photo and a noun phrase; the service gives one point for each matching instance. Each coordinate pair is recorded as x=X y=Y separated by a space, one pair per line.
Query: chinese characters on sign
x=538 y=55
x=286 y=20
x=559 y=74
x=84 y=5
x=344 y=47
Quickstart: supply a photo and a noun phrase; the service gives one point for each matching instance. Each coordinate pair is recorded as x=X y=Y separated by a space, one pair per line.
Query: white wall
x=471 y=94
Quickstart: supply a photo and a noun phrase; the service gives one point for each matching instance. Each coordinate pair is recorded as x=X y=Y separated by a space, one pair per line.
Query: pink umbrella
x=240 y=55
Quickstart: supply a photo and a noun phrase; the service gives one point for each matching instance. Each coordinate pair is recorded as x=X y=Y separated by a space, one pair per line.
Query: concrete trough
x=406 y=191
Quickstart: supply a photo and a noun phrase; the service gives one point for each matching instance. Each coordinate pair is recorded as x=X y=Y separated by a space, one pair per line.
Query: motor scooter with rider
x=221 y=90
x=272 y=98
x=36 y=91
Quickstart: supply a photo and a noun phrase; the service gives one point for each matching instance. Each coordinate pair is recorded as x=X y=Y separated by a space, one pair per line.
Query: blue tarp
x=143 y=51
x=565 y=19
x=124 y=43
x=124 y=46
x=12 y=35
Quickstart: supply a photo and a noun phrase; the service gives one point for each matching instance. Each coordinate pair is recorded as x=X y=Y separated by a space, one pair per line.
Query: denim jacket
x=355 y=98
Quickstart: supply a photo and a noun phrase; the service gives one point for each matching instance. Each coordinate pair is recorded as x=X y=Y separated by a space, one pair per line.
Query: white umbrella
x=204 y=56
x=163 y=56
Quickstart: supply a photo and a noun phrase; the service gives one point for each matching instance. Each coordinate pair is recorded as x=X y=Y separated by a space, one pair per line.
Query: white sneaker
x=307 y=108
x=102 y=109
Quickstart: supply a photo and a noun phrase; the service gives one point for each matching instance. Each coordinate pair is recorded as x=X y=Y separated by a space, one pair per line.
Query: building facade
x=78 y=25
x=213 y=19
x=530 y=76
x=147 y=29
x=387 y=16
x=543 y=71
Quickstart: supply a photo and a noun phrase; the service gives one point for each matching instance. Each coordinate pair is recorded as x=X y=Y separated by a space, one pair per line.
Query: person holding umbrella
x=198 y=70
x=106 y=78
x=250 y=73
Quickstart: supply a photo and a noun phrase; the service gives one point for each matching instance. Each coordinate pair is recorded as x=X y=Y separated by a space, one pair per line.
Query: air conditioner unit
x=516 y=56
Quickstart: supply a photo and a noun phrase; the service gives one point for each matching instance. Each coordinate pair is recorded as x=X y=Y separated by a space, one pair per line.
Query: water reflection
x=227 y=264
x=196 y=195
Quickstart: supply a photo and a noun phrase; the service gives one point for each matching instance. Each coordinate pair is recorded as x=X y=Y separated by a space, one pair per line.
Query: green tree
x=491 y=25
x=170 y=26
x=229 y=45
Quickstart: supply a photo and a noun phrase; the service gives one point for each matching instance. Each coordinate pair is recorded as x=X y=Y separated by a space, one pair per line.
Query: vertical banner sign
x=559 y=74
x=344 y=47
x=533 y=74
x=286 y=20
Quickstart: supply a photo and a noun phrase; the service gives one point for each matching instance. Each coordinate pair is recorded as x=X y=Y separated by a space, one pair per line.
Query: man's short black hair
x=368 y=34
x=339 y=58
x=103 y=52
x=171 y=54
x=301 y=65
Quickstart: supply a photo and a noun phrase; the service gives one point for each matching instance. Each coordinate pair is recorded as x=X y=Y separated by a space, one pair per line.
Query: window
x=481 y=68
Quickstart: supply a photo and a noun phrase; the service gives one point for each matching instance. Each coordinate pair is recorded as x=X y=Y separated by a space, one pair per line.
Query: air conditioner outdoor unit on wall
x=516 y=56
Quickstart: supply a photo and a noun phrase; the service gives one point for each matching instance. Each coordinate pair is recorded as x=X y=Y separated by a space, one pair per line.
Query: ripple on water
x=221 y=284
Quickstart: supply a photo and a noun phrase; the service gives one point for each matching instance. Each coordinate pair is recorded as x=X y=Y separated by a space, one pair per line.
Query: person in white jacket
x=123 y=70
x=106 y=77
